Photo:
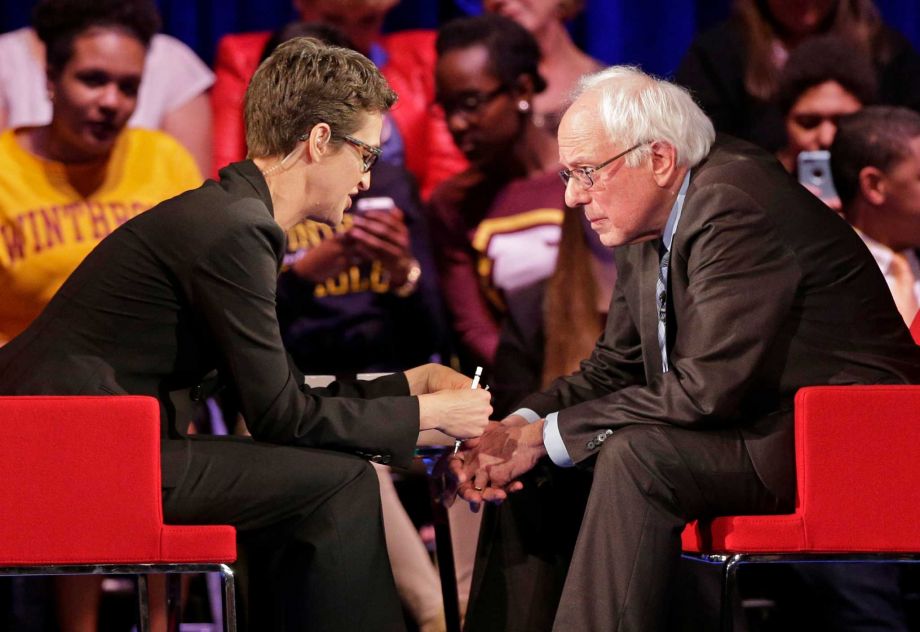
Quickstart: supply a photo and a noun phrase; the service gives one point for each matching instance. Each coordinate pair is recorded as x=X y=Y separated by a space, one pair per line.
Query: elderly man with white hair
x=734 y=290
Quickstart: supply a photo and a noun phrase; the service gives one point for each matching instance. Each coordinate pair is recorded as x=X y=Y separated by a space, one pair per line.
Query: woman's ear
x=522 y=88
x=318 y=141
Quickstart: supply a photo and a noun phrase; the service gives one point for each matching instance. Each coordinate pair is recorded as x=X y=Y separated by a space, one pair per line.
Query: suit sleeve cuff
x=552 y=440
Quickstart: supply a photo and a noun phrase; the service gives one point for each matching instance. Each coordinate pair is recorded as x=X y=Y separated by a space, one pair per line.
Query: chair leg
x=173 y=601
x=226 y=576
x=143 y=604
x=729 y=581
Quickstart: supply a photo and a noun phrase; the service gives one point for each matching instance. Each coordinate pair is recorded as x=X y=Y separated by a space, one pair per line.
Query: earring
x=523 y=105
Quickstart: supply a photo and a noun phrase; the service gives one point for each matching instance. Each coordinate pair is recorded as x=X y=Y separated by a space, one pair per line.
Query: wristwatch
x=412 y=276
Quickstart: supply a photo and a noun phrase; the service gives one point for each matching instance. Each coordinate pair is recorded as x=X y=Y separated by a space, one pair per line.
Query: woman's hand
x=383 y=236
x=461 y=413
x=431 y=378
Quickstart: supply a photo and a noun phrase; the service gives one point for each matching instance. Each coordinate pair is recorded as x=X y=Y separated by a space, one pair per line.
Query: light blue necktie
x=661 y=299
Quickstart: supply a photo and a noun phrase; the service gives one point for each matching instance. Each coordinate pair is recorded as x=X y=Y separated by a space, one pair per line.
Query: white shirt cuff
x=552 y=440
x=530 y=415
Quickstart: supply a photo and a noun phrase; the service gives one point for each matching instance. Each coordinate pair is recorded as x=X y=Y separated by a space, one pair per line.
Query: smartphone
x=814 y=168
x=363 y=205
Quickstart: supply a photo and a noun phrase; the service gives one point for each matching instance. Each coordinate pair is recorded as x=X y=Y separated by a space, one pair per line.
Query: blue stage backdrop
x=651 y=33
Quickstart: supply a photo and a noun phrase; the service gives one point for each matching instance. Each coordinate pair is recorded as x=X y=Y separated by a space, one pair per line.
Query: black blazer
x=185 y=288
x=769 y=291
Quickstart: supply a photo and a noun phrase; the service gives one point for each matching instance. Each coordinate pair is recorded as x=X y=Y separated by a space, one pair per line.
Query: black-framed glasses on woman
x=469 y=103
x=585 y=175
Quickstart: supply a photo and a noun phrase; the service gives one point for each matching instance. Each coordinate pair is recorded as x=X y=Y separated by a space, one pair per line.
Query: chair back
x=79 y=480
x=858 y=467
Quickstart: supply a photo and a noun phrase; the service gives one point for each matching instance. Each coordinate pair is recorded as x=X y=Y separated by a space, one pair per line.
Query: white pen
x=475 y=385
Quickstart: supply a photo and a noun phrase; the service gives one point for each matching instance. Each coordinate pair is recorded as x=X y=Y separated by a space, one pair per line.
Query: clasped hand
x=487 y=468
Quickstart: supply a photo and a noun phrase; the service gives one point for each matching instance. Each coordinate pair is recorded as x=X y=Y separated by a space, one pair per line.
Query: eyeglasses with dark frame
x=369 y=153
x=369 y=158
x=585 y=175
x=470 y=103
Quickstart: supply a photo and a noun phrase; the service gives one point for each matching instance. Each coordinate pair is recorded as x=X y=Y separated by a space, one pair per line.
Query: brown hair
x=571 y=320
x=857 y=21
x=303 y=83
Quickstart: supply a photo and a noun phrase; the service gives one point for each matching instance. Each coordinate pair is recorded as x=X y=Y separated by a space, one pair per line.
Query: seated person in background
x=733 y=69
x=562 y=63
x=67 y=184
x=172 y=97
x=875 y=160
x=405 y=58
x=496 y=225
x=189 y=287
x=734 y=289
x=823 y=80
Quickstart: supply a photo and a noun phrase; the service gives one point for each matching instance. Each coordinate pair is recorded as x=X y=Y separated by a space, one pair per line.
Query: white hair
x=638 y=108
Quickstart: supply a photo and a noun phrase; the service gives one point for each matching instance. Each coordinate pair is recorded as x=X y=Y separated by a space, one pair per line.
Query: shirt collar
x=883 y=254
x=671 y=225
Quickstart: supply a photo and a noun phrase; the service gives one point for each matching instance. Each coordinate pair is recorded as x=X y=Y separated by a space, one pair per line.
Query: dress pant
x=310 y=533
x=524 y=551
x=649 y=481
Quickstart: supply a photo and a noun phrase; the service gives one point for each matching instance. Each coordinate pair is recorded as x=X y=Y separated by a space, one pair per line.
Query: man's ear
x=663 y=161
x=873 y=185
x=318 y=141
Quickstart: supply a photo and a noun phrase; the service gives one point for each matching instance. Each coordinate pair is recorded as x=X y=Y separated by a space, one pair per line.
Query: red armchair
x=81 y=494
x=857 y=452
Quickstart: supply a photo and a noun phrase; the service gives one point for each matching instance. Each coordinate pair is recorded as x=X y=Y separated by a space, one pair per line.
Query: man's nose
x=575 y=194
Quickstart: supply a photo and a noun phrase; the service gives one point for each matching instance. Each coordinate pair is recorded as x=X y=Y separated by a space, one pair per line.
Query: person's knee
x=632 y=448
x=360 y=486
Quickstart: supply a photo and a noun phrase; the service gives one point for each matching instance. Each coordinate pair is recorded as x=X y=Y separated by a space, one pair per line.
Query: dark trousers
x=309 y=527
x=648 y=482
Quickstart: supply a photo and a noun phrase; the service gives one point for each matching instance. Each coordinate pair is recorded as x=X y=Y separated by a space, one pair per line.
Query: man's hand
x=487 y=469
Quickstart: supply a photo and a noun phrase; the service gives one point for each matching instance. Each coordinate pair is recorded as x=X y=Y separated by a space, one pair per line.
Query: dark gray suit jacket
x=185 y=288
x=769 y=291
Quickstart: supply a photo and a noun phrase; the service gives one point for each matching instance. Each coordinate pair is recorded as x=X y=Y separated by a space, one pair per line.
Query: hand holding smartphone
x=814 y=172
x=381 y=203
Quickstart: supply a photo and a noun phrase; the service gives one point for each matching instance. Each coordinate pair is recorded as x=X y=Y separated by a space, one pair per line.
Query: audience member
x=875 y=160
x=735 y=288
x=824 y=79
x=562 y=63
x=70 y=182
x=189 y=286
x=495 y=226
x=733 y=70
x=406 y=59
x=67 y=184
x=172 y=97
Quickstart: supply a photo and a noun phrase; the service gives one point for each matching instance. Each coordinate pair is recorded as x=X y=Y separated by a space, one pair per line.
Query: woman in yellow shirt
x=66 y=185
